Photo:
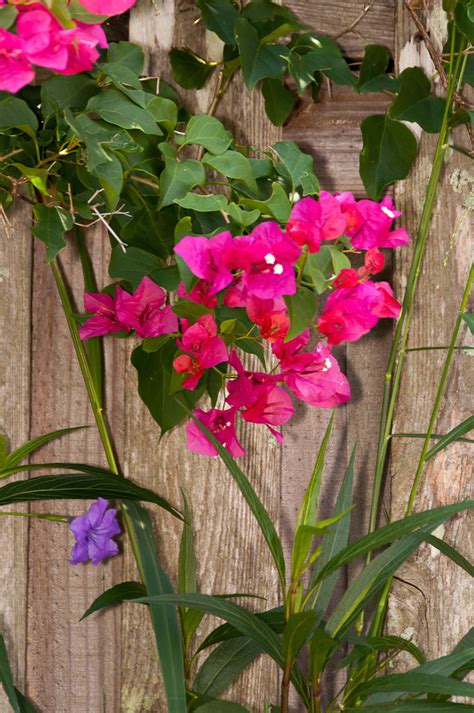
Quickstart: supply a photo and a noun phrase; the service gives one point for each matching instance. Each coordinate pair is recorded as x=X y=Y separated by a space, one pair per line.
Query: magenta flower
x=351 y=312
x=203 y=349
x=204 y=257
x=221 y=424
x=369 y=223
x=107 y=7
x=258 y=397
x=199 y=293
x=48 y=44
x=104 y=320
x=266 y=259
x=314 y=377
x=94 y=532
x=312 y=221
x=145 y=311
x=15 y=69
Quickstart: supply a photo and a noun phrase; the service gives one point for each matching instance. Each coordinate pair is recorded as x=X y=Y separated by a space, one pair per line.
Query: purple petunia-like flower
x=94 y=532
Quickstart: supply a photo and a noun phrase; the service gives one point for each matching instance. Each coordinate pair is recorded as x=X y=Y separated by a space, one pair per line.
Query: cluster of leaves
x=310 y=620
x=255 y=37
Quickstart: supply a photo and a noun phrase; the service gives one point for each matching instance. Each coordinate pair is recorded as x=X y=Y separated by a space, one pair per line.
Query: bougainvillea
x=251 y=275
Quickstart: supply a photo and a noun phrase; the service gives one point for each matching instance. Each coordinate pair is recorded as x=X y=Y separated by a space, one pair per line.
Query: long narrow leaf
x=78 y=467
x=450 y=552
x=456 y=433
x=163 y=617
x=123 y=592
x=29 y=447
x=385 y=643
x=274 y=618
x=224 y=664
x=266 y=525
x=6 y=677
x=334 y=541
x=371 y=579
x=246 y=622
x=94 y=346
x=417 y=707
x=80 y=487
x=415 y=682
x=392 y=532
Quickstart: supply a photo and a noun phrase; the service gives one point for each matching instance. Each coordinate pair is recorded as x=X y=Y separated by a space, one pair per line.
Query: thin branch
x=435 y=57
x=353 y=24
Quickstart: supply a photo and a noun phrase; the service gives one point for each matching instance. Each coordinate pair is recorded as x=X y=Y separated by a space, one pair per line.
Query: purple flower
x=94 y=532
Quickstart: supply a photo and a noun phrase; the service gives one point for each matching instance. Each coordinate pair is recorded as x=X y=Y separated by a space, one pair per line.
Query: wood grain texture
x=434 y=602
x=72 y=666
x=15 y=325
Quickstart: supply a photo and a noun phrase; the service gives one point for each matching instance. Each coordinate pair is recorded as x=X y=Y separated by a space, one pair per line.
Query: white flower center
x=388 y=212
x=278 y=269
x=228 y=424
x=270 y=259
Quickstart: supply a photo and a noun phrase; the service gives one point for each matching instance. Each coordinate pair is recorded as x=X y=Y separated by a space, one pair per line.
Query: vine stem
x=94 y=398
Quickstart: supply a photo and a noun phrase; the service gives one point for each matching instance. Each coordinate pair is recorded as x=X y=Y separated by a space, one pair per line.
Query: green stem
x=37 y=516
x=94 y=398
x=439 y=393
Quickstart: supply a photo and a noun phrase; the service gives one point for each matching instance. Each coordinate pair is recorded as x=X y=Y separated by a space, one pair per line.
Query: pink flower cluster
x=256 y=272
x=41 y=40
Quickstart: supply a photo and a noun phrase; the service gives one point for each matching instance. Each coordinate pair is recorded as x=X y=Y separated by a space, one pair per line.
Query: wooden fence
x=108 y=663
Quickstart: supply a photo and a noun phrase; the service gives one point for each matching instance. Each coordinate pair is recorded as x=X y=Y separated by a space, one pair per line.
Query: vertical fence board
x=15 y=326
x=72 y=665
x=432 y=599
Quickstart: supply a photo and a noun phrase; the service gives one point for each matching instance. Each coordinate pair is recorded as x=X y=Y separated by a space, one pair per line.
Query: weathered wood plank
x=15 y=326
x=232 y=555
x=433 y=602
x=71 y=665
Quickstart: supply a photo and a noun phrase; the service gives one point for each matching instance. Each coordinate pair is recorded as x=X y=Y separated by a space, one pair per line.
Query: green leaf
x=133 y=265
x=278 y=205
x=123 y=592
x=117 y=109
x=465 y=22
x=450 y=552
x=455 y=433
x=323 y=54
x=232 y=164
x=203 y=204
x=3 y=451
x=189 y=70
x=413 y=682
x=164 y=620
x=164 y=112
x=382 y=643
x=372 y=76
x=415 y=103
x=388 y=152
x=279 y=101
x=52 y=222
x=178 y=178
x=30 y=447
x=80 y=487
x=94 y=346
x=393 y=531
x=298 y=167
x=16 y=114
x=8 y=15
x=243 y=218
x=420 y=707
x=334 y=541
x=258 y=60
x=263 y=519
x=244 y=621
x=468 y=317
x=97 y=136
x=187 y=559
x=127 y=53
x=297 y=631
x=222 y=707
x=6 y=677
x=301 y=310
x=209 y=132
x=154 y=383
x=224 y=664
x=190 y=310
x=339 y=260
x=219 y=16
x=59 y=92
x=368 y=582
x=110 y=177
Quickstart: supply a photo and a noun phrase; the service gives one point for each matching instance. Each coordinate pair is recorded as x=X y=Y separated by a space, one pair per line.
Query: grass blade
x=455 y=434
x=29 y=447
x=123 y=592
x=163 y=617
x=224 y=664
